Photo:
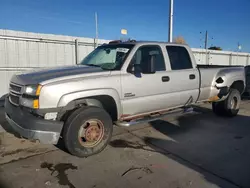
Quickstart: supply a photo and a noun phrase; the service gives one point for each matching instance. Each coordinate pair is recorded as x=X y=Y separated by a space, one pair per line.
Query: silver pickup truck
x=122 y=83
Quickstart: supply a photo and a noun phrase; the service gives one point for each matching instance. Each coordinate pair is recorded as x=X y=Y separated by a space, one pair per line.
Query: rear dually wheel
x=230 y=106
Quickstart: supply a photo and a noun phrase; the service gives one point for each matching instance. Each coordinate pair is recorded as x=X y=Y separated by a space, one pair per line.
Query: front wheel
x=230 y=106
x=87 y=131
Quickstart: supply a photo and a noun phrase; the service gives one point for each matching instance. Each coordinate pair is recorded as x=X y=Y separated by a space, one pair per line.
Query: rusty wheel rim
x=91 y=133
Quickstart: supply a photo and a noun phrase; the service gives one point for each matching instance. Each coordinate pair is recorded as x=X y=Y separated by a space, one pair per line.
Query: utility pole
x=96 y=30
x=171 y=15
x=206 y=40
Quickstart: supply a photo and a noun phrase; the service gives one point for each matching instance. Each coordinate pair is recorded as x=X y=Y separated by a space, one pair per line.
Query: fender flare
x=82 y=95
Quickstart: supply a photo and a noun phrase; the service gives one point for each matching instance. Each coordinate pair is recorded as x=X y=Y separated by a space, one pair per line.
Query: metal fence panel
x=22 y=51
x=5 y=77
x=222 y=59
x=212 y=57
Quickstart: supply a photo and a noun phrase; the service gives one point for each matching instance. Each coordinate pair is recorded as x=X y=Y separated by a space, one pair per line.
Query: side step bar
x=172 y=113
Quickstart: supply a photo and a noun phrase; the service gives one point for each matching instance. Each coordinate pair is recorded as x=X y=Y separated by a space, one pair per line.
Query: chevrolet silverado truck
x=121 y=83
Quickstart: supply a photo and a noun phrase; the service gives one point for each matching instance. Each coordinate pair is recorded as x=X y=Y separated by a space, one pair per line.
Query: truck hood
x=56 y=74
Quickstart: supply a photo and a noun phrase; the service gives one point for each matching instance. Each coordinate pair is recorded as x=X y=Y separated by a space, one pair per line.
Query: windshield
x=110 y=57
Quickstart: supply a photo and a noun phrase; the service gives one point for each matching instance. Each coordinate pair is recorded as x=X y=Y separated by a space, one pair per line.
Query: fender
x=229 y=81
x=66 y=99
x=229 y=76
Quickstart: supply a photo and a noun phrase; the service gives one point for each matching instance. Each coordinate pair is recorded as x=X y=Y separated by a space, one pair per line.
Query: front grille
x=15 y=93
x=15 y=88
x=14 y=99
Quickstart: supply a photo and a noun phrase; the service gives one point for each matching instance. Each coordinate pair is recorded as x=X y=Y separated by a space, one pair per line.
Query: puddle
x=60 y=169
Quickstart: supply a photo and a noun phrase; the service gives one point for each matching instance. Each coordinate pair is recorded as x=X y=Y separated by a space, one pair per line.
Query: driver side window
x=143 y=55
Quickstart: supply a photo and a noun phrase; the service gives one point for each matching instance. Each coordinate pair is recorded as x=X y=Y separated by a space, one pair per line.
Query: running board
x=149 y=119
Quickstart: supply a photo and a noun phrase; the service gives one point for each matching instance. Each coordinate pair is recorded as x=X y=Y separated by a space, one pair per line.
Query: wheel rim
x=91 y=133
x=234 y=103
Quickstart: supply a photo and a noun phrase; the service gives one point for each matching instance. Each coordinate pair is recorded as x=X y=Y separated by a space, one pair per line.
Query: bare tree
x=179 y=40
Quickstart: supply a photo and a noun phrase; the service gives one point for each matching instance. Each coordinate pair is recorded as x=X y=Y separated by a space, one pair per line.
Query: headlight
x=30 y=97
x=33 y=90
x=30 y=103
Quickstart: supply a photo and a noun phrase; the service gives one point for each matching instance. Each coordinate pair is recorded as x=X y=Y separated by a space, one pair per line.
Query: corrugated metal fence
x=213 y=57
x=22 y=51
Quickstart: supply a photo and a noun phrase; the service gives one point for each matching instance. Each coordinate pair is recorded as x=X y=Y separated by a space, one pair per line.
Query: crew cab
x=122 y=83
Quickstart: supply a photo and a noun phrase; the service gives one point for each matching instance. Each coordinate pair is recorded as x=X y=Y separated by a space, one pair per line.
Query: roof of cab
x=144 y=42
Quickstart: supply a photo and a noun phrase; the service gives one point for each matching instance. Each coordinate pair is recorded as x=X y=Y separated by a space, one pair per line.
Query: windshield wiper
x=93 y=65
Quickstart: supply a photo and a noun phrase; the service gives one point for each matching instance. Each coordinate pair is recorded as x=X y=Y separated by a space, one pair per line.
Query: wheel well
x=239 y=85
x=108 y=103
x=102 y=101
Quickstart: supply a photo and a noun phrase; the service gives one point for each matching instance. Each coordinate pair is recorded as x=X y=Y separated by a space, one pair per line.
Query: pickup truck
x=123 y=83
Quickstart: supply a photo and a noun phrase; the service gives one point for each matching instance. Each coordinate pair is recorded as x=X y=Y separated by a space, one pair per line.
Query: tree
x=215 y=48
x=179 y=40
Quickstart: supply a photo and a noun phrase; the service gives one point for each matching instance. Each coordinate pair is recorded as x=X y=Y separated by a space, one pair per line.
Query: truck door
x=184 y=77
x=141 y=92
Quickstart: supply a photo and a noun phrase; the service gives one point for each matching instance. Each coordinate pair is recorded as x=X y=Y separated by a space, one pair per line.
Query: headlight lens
x=30 y=103
x=33 y=90
x=30 y=97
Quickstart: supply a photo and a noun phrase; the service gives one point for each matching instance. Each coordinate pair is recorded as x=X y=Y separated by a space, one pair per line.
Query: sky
x=227 y=21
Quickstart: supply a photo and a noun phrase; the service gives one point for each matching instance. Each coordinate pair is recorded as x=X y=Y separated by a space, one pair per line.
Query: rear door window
x=179 y=58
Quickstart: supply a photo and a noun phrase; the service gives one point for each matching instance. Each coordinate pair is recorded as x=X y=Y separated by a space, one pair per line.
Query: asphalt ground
x=199 y=150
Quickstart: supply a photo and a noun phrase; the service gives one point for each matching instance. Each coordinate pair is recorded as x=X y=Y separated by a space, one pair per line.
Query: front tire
x=230 y=106
x=87 y=131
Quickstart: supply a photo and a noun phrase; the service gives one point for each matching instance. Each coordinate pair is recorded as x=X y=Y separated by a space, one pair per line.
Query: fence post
x=207 y=57
x=95 y=43
x=76 y=50
x=230 y=59
x=206 y=54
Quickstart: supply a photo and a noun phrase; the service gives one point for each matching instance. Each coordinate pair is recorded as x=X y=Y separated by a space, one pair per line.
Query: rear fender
x=229 y=76
x=224 y=80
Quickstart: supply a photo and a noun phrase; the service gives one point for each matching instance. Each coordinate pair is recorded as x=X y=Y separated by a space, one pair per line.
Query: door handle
x=191 y=76
x=165 y=78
